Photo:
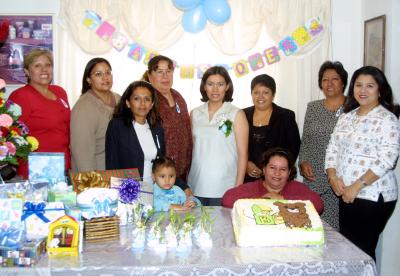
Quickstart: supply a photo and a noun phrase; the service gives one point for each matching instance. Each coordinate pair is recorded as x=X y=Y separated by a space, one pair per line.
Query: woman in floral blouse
x=361 y=157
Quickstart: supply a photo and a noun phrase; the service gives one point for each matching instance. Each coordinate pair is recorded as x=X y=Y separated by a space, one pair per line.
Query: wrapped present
x=25 y=190
x=11 y=212
x=46 y=167
x=26 y=255
x=37 y=217
x=74 y=212
x=98 y=202
x=87 y=180
x=99 y=178
x=12 y=237
x=61 y=192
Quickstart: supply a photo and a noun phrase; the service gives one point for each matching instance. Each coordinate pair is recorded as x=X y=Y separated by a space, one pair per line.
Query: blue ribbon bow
x=37 y=209
x=11 y=237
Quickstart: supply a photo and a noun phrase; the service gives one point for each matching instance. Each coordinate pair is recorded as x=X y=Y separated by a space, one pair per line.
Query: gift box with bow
x=38 y=216
x=99 y=178
x=98 y=202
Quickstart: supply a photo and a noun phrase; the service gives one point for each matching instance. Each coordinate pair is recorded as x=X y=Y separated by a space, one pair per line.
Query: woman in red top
x=279 y=171
x=45 y=108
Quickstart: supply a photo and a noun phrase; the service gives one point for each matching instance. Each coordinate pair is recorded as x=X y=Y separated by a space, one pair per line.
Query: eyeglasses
x=100 y=74
x=167 y=72
x=217 y=84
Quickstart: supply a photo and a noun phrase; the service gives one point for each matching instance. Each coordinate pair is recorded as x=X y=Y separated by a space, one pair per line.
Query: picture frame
x=374 y=42
x=25 y=33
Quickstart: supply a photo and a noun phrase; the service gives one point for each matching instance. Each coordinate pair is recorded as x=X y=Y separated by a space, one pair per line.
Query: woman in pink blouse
x=361 y=157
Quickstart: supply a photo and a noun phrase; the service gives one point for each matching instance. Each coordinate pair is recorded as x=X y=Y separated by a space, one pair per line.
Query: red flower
x=4 y=130
x=16 y=129
x=4 y=30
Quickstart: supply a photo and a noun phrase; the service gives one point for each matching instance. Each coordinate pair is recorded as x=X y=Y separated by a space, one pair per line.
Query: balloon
x=217 y=11
x=193 y=21
x=186 y=4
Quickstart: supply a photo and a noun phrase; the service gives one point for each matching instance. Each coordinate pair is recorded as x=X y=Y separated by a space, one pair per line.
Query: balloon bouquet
x=197 y=12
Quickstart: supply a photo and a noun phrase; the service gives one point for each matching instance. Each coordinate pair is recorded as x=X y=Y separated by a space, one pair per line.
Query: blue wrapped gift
x=46 y=167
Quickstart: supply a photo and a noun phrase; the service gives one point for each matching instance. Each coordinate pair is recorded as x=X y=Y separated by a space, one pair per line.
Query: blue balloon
x=193 y=21
x=217 y=11
x=186 y=4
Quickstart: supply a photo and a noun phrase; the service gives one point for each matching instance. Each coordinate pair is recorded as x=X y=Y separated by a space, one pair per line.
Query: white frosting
x=276 y=233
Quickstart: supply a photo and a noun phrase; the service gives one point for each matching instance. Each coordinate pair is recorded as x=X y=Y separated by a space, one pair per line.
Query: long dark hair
x=281 y=153
x=124 y=112
x=88 y=70
x=216 y=70
x=385 y=91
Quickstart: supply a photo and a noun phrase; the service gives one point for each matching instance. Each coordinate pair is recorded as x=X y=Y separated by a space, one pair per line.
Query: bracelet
x=363 y=182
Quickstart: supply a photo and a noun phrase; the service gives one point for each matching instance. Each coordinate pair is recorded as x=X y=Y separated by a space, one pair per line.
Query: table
x=337 y=257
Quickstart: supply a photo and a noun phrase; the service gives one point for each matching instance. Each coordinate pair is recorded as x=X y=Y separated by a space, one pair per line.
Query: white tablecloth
x=337 y=257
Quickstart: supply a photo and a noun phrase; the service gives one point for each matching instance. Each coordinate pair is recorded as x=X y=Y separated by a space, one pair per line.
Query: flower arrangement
x=15 y=143
x=225 y=125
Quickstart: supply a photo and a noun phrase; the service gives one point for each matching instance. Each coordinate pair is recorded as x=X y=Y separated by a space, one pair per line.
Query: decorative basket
x=101 y=229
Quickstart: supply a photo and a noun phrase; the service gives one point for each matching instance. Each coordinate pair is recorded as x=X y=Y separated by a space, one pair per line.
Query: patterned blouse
x=359 y=143
x=178 y=134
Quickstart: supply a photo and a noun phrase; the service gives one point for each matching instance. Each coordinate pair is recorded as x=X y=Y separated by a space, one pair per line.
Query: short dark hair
x=264 y=80
x=334 y=65
x=88 y=70
x=153 y=63
x=385 y=90
x=162 y=161
x=282 y=153
x=122 y=111
x=216 y=70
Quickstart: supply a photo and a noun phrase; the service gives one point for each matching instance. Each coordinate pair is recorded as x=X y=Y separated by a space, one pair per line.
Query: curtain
x=156 y=24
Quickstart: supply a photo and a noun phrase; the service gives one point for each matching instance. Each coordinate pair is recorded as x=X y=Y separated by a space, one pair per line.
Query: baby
x=166 y=194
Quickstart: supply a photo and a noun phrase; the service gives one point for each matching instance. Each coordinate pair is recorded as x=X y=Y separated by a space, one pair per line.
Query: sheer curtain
x=254 y=26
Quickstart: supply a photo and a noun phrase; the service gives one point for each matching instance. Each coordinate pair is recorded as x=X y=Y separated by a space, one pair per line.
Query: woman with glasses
x=321 y=117
x=277 y=182
x=220 y=136
x=174 y=114
x=90 y=116
x=45 y=108
x=269 y=125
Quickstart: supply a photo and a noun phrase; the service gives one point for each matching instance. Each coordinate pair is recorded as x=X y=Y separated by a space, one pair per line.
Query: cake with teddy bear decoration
x=268 y=222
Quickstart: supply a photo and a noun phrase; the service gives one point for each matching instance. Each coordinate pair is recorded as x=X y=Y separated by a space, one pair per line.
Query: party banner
x=256 y=61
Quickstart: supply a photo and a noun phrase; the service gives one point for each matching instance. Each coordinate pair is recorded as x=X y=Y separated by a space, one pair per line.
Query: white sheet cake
x=268 y=222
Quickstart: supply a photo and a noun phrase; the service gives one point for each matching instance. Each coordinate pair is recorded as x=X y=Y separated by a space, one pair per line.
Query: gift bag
x=46 y=167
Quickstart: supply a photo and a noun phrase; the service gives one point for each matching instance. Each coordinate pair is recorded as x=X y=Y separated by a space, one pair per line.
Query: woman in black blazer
x=134 y=136
x=269 y=125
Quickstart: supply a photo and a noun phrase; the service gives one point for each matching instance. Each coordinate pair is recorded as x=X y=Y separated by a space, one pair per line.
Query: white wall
x=347 y=42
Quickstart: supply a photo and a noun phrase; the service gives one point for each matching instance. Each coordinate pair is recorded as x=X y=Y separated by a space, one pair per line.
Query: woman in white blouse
x=361 y=157
x=220 y=137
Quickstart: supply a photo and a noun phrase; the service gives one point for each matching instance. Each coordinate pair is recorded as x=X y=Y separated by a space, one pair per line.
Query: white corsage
x=225 y=125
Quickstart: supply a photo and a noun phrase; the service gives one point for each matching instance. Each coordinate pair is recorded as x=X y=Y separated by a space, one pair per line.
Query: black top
x=123 y=148
x=282 y=131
